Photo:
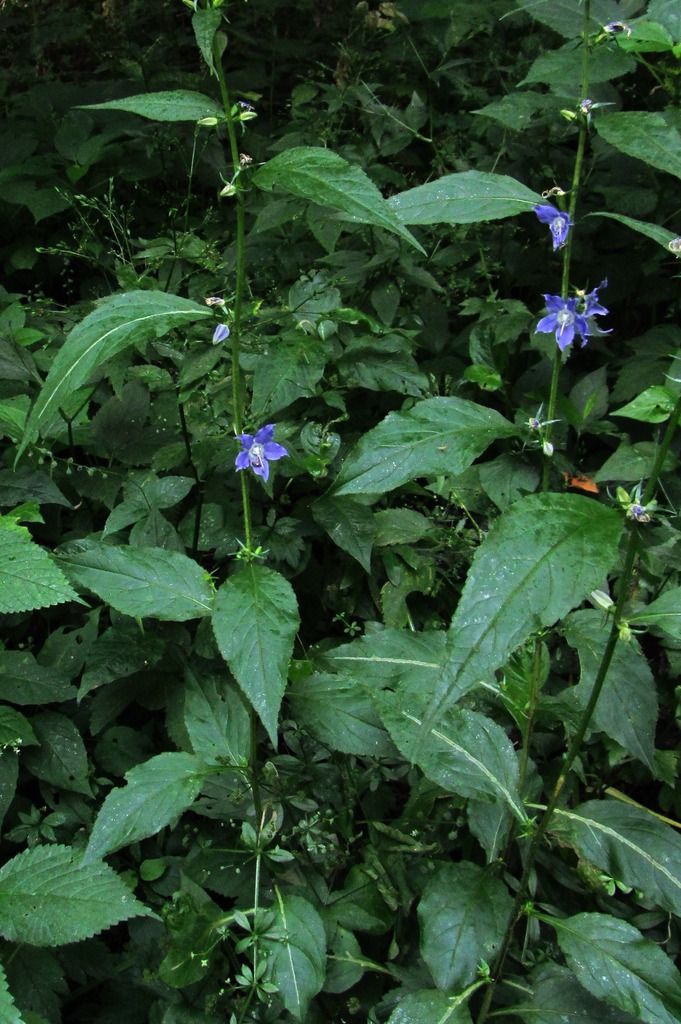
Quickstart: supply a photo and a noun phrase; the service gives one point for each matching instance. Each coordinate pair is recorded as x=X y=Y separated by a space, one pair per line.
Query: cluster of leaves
x=281 y=749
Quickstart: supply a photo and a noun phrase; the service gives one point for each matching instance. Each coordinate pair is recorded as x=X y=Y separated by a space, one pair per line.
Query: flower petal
x=242 y=460
x=246 y=440
x=265 y=434
x=547 y=324
x=262 y=470
x=274 y=451
x=554 y=303
x=545 y=212
x=565 y=335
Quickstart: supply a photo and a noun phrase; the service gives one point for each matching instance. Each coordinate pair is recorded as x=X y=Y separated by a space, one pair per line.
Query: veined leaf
x=614 y=962
x=556 y=999
x=116 y=324
x=327 y=179
x=436 y=436
x=631 y=845
x=297 y=952
x=645 y=135
x=141 y=582
x=216 y=717
x=349 y=524
x=430 y=1006
x=49 y=896
x=155 y=793
x=29 y=578
x=658 y=234
x=8 y=1011
x=339 y=711
x=169 y=105
x=23 y=680
x=541 y=558
x=255 y=622
x=664 y=613
x=464 y=198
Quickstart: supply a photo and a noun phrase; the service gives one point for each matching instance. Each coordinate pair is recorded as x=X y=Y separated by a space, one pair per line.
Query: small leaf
x=216 y=717
x=327 y=179
x=464 y=198
x=296 y=952
x=462 y=915
x=61 y=758
x=169 y=105
x=155 y=793
x=664 y=613
x=654 y=405
x=15 y=729
x=49 y=897
x=140 y=581
x=349 y=524
x=205 y=23
x=255 y=622
x=29 y=578
x=8 y=1011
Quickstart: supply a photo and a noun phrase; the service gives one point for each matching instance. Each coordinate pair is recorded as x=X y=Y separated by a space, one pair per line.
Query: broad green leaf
x=49 y=896
x=29 y=578
x=9 y=774
x=401 y=526
x=255 y=622
x=143 y=494
x=140 y=582
x=349 y=524
x=654 y=405
x=391 y=657
x=113 y=326
x=436 y=436
x=645 y=135
x=557 y=1000
x=561 y=69
x=169 y=105
x=26 y=484
x=646 y=37
x=339 y=712
x=627 y=707
x=382 y=365
x=667 y=13
x=290 y=370
x=327 y=179
x=429 y=1006
x=155 y=793
x=36 y=980
x=216 y=717
x=519 y=110
x=8 y=1011
x=462 y=915
x=632 y=845
x=567 y=16
x=614 y=962
x=117 y=653
x=541 y=558
x=24 y=681
x=205 y=23
x=15 y=729
x=464 y=198
x=61 y=758
x=664 y=613
x=296 y=952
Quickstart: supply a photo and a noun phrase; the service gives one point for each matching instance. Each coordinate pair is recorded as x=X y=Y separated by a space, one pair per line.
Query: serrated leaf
x=462 y=916
x=296 y=952
x=36 y=980
x=464 y=198
x=436 y=436
x=142 y=581
x=567 y=16
x=541 y=558
x=49 y=896
x=61 y=759
x=339 y=712
x=632 y=845
x=557 y=1000
x=614 y=962
x=155 y=793
x=664 y=613
x=392 y=657
x=325 y=178
x=349 y=524
x=8 y=1011
x=117 y=323
x=168 y=105
x=205 y=23
x=24 y=681
x=645 y=135
x=429 y=1006
x=290 y=370
x=216 y=717
x=29 y=578
x=15 y=729
x=255 y=622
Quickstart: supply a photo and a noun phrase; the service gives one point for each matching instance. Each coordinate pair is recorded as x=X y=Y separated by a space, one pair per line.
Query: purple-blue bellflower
x=569 y=317
x=221 y=333
x=558 y=222
x=258 y=451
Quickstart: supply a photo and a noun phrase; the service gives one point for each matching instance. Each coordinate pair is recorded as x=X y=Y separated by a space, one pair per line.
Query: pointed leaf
x=115 y=324
x=464 y=198
x=327 y=179
x=255 y=622
x=664 y=613
x=8 y=1011
x=142 y=581
x=29 y=578
x=296 y=952
x=614 y=962
x=155 y=793
x=645 y=135
x=216 y=717
x=349 y=524
x=435 y=436
x=49 y=896
x=557 y=1000
x=169 y=105
x=339 y=711
x=658 y=234
x=429 y=1006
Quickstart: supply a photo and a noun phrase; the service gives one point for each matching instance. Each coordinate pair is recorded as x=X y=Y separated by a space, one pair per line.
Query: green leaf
x=49 y=897
x=664 y=613
x=654 y=405
x=644 y=135
x=561 y=69
x=391 y=657
x=205 y=23
x=614 y=962
x=667 y=13
x=291 y=369
x=61 y=758
x=255 y=622
x=436 y=436
x=646 y=37
x=428 y=1006
x=8 y=1011
x=401 y=526
x=540 y=559
x=462 y=915
x=141 y=581
x=349 y=524
x=169 y=105
x=627 y=707
x=9 y=774
x=325 y=178
x=116 y=324
x=339 y=712
x=464 y=198
x=296 y=952
x=156 y=793
x=567 y=16
x=216 y=717
x=29 y=578
x=24 y=681
x=632 y=845
x=15 y=729
x=557 y=1000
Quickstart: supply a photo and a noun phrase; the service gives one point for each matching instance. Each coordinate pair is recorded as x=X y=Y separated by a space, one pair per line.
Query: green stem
x=578 y=737
x=197 y=479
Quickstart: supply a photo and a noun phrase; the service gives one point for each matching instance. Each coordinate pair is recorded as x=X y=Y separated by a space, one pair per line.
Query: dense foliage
x=339 y=534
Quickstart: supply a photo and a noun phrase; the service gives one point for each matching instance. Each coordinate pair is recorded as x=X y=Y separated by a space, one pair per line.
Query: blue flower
x=258 y=451
x=592 y=307
x=558 y=222
x=569 y=317
x=221 y=333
